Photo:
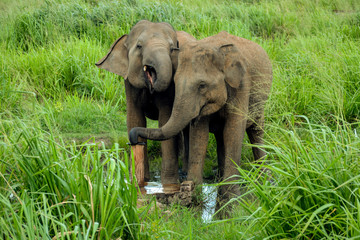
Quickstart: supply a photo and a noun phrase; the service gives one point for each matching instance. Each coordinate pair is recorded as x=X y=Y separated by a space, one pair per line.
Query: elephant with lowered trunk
x=221 y=85
x=146 y=58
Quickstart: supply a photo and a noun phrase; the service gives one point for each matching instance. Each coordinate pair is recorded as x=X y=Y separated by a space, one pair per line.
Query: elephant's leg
x=220 y=150
x=169 y=164
x=255 y=133
x=233 y=134
x=186 y=149
x=136 y=118
x=229 y=144
x=198 y=141
x=169 y=152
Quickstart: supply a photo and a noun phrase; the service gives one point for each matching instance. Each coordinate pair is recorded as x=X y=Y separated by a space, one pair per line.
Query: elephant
x=222 y=83
x=145 y=59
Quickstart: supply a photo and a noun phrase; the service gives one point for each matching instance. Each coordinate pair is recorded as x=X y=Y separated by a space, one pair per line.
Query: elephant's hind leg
x=255 y=133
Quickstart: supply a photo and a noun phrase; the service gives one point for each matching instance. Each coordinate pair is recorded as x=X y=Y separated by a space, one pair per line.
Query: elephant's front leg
x=136 y=118
x=233 y=136
x=198 y=141
x=185 y=142
x=169 y=152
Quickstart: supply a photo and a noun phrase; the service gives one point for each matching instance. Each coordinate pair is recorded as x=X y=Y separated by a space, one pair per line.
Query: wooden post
x=138 y=153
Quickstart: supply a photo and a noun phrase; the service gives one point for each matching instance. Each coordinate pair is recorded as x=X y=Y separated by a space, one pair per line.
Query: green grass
x=53 y=100
x=315 y=194
x=75 y=191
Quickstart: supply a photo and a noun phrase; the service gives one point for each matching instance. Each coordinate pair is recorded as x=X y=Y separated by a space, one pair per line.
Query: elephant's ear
x=116 y=61
x=234 y=67
x=174 y=58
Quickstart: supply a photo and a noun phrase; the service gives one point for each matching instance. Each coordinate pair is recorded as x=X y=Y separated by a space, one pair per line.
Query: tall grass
x=50 y=190
x=315 y=194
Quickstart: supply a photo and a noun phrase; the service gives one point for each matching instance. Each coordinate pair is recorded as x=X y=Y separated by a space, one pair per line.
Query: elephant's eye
x=202 y=86
x=173 y=48
x=138 y=46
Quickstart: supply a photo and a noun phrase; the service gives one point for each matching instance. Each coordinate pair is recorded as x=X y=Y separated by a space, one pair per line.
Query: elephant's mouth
x=150 y=76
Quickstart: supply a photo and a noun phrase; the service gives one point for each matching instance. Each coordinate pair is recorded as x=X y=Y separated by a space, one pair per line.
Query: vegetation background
x=63 y=160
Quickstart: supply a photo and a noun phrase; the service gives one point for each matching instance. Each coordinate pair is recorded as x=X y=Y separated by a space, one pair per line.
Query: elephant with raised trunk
x=145 y=59
x=221 y=85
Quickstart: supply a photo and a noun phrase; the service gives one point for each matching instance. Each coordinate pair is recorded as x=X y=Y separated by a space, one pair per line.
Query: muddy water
x=209 y=191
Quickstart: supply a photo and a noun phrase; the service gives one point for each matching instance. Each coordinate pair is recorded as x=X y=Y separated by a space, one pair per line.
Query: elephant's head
x=144 y=56
x=206 y=73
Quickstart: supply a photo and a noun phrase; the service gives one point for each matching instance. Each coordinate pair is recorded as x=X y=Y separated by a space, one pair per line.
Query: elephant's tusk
x=145 y=68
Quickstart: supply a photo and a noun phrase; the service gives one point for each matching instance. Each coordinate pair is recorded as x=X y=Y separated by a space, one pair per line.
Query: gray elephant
x=221 y=85
x=145 y=59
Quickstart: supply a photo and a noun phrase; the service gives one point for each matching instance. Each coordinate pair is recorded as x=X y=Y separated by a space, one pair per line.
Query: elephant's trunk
x=177 y=122
x=157 y=68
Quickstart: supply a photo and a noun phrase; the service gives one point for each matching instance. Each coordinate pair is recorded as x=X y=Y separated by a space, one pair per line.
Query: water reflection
x=154 y=187
x=210 y=193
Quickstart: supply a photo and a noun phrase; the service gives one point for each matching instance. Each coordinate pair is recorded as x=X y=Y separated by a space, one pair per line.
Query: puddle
x=153 y=187
x=209 y=202
x=209 y=191
x=156 y=187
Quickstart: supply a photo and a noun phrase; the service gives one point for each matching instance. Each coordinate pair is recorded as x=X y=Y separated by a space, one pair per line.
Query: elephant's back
x=184 y=37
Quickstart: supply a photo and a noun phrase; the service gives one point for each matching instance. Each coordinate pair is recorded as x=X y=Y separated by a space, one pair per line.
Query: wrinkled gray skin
x=221 y=85
x=144 y=58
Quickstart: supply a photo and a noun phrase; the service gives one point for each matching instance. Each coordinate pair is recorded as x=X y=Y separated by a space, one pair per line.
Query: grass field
x=63 y=159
